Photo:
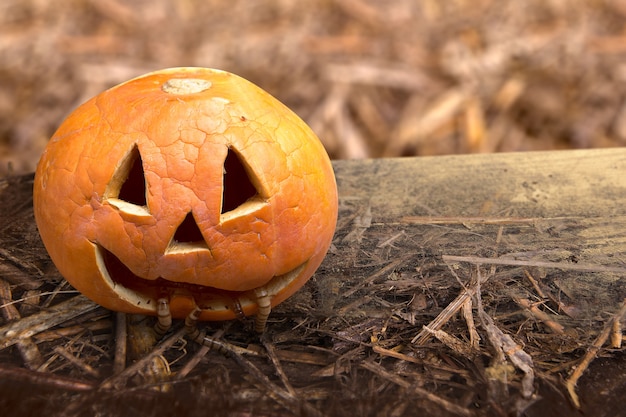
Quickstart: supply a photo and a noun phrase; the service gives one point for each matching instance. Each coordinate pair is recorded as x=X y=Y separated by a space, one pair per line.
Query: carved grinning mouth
x=144 y=292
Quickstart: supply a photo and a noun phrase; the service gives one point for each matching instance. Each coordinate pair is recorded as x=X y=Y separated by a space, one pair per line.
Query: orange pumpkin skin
x=176 y=128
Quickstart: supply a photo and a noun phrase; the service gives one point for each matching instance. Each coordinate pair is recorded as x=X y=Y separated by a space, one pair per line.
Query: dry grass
x=403 y=78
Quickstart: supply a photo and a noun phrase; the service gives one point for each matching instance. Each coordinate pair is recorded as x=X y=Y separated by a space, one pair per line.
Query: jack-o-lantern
x=191 y=184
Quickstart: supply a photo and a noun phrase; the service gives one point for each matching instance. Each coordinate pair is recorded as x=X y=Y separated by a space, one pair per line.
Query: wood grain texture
x=585 y=183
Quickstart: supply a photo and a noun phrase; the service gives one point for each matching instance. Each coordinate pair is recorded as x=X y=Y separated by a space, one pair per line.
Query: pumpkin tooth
x=191 y=325
x=264 y=302
x=200 y=337
x=164 y=317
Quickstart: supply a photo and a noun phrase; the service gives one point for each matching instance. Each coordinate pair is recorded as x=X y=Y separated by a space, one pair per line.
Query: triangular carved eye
x=237 y=185
x=127 y=187
x=134 y=188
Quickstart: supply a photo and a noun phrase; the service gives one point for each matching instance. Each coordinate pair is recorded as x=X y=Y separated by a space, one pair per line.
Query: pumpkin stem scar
x=183 y=86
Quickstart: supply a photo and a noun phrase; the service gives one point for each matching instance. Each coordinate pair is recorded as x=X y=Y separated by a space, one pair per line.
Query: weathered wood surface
x=559 y=207
x=546 y=228
x=586 y=183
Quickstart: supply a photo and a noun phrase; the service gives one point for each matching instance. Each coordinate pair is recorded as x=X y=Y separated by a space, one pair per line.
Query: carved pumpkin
x=188 y=183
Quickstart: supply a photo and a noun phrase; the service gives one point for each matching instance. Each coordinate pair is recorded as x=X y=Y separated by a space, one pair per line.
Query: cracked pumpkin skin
x=181 y=124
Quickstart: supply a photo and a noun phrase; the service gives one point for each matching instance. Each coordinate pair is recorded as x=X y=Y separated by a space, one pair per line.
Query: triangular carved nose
x=187 y=237
x=188 y=231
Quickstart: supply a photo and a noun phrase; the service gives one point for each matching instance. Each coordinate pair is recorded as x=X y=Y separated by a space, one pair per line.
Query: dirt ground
x=372 y=78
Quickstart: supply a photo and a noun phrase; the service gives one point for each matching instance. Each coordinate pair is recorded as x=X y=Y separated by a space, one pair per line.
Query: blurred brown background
x=373 y=78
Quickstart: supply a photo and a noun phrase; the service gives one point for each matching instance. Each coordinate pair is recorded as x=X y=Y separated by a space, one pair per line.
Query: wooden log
x=562 y=212
x=584 y=183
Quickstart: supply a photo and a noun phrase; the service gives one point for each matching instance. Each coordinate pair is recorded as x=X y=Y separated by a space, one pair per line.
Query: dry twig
x=59 y=313
x=416 y=390
x=570 y=384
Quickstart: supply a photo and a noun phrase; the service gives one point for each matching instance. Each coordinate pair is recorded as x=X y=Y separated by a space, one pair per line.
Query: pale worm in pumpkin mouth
x=145 y=293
